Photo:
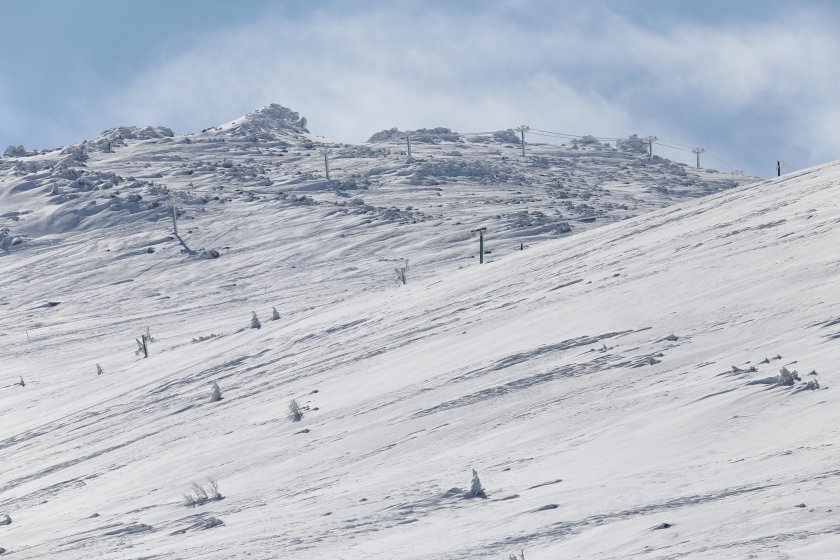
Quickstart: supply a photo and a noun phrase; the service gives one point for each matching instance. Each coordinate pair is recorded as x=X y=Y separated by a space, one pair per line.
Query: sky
x=751 y=82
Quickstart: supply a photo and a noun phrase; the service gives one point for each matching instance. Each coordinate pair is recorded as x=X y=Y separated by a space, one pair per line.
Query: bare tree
x=142 y=346
x=402 y=272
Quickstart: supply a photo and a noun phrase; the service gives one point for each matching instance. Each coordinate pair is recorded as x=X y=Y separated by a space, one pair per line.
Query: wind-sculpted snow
x=636 y=370
x=269 y=123
x=421 y=135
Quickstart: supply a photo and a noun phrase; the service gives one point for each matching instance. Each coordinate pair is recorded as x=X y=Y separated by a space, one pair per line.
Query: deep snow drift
x=620 y=390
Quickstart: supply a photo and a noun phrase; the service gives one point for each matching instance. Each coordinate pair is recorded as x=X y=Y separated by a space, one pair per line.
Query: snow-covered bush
x=563 y=227
x=216 y=394
x=384 y=135
x=508 y=136
x=15 y=151
x=632 y=144
x=275 y=315
x=787 y=377
x=476 y=490
x=811 y=385
x=255 y=322
x=211 y=522
x=295 y=411
x=203 y=338
x=589 y=140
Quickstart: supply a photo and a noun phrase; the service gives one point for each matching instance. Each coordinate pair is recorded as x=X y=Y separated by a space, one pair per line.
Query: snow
x=587 y=379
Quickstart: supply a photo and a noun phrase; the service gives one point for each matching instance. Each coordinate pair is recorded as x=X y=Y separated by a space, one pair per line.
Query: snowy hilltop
x=315 y=367
x=269 y=123
x=452 y=183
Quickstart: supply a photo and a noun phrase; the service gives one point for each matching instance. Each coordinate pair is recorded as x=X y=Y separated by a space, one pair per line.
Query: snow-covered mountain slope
x=601 y=384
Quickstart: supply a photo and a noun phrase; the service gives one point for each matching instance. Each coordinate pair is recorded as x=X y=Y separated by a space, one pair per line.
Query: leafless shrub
x=199 y=491
x=202 y=493
x=203 y=338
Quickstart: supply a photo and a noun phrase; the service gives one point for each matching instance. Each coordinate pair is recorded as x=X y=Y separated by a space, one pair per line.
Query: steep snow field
x=602 y=384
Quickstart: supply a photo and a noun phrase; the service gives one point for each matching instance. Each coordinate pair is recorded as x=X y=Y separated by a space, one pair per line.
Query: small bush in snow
x=200 y=494
x=275 y=315
x=515 y=557
x=21 y=383
x=787 y=377
x=811 y=385
x=99 y=370
x=216 y=395
x=255 y=322
x=295 y=411
x=402 y=273
x=203 y=338
x=476 y=491
x=6 y=520
x=211 y=522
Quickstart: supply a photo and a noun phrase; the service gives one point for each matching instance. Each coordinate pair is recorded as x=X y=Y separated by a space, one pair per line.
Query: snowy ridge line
x=665 y=143
x=552 y=134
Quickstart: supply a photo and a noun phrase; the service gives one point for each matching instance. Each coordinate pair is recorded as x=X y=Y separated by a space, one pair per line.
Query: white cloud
x=356 y=75
x=569 y=68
